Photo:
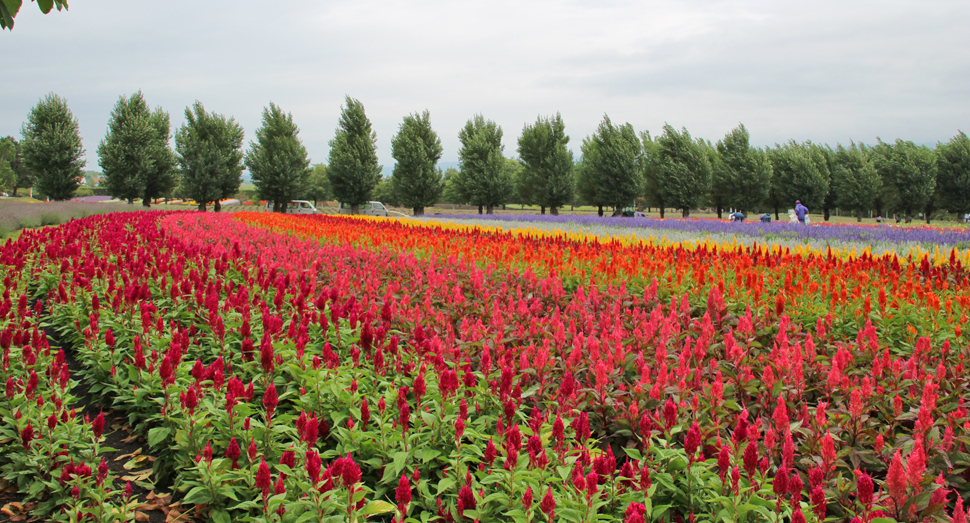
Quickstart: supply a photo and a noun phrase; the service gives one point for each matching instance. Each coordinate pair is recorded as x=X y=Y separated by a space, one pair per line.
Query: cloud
x=826 y=71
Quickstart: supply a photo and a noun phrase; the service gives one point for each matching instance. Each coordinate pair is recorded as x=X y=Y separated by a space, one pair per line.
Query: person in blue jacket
x=800 y=211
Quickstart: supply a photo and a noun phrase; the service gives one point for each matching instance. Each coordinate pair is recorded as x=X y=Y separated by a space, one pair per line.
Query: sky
x=826 y=71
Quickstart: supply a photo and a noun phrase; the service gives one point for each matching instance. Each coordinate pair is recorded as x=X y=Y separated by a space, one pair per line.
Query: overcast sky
x=827 y=71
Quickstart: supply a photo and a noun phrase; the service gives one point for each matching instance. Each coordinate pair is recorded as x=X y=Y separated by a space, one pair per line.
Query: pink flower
x=263 y=478
x=692 y=440
x=270 y=400
x=97 y=426
x=403 y=493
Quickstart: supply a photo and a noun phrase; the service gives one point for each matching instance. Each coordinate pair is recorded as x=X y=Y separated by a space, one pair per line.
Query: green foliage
x=277 y=160
x=52 y=148
x=799 y=173
x=208 y=148
x=953 y=173
x=134 y=156
x=416 y=182
x=742 y=173
x=547 y=176
x=318 y=185
x=8 y=154
x=384 y=193
x=910 y=171
x=353 y=170
x=611 y=171
x=684 y=171
x=10 y=8
x=450 y=194
x=855 y=182
x=651 y=172
x=485 y=178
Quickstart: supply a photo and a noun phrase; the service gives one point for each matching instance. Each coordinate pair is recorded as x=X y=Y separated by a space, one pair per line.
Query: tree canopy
x=741 y=173
x=52 y=148
x=799 y=173
x=416 y=181
x=10 y=8
x=684 y=170
x=485 y=178
x=135 y=157
x=277 y=160
x=547 y=175
x=611 y=171
x=208 y=148
x=953 y=173
x=910 y=172
x=855 y=182
x=353 y=169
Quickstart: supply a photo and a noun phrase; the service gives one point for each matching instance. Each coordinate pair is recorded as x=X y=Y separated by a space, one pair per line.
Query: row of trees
x=617 y=165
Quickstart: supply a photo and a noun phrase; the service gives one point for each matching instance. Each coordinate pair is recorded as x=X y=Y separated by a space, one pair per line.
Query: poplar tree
x=910 y=170
x=547 y=177
x=209 y=151
x=277 y=160
x=416 y=181
x=52 y=148
x=855 y=182
x=352 y=169
x=685 y=170
x=611 y=173
x=953 y=173
x=135 y=157
x=485 y=178
x=742 y=173
x=797 y=174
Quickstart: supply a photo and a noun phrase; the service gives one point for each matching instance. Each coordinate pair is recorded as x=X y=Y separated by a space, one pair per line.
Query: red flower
x=466 y=500
x=896 y=479
x=780 y=484
x=97 y=426
x=364 y=414
x=670 y=414
x=233 y=452
x=350 y=472
x=527 y=500
x=750 y=459
x=692 y=441
x=634 y=513
x=263 y=478
x=548 y=504
x=403 y=493
x=270 y=400
x=313 y=465
x=27 y=435
x=864 y=488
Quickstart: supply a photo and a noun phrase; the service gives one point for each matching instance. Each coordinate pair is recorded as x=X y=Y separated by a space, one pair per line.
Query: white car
x=296 y=207
x=367 y=209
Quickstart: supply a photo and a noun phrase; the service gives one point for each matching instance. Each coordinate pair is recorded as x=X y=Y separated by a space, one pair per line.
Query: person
x=800 y=211
x=879 y=219
x=766 y=218
x=736 y=216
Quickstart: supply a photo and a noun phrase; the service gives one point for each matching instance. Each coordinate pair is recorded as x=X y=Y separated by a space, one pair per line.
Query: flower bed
x=330 y=367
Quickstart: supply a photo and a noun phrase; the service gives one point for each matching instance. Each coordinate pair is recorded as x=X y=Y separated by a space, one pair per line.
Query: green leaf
x=377 y=507
x=445 y=485
x=198 y=495
x=45 y=5
x=158 y=435
x=220 y=516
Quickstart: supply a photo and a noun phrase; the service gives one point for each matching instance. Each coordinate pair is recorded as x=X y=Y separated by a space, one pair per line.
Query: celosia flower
x=403 y=493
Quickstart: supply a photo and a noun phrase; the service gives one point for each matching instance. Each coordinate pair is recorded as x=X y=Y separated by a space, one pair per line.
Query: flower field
x=327 y=368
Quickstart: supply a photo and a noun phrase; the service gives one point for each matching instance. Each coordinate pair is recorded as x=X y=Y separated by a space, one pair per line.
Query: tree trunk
x=503 y=207
x=777 y=219
x=599 y=212
x=825 y=214
x=15 y=191
x=858 y=216
x=145 y=202
x=718 y=213
x=686 y=212
x=354 y=209
x=418 y=211
x=662 y=209
x=489 y=209
x=480 y=209
x=202 y=206
x=554 y=211
x=131 y=201
x=217 y=206
x=542 y=209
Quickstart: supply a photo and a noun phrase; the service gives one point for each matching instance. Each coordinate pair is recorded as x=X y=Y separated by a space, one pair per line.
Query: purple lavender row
x=845 y=233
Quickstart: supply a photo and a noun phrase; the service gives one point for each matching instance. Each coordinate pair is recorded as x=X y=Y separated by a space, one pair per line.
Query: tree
x=911 y=171
x=10 y=8
x=797 y=175
x=353 y=170
x=450 y=194
x=162 y=178
x=855 y=182
x=134 y=155
x=547 y=177
x=318 y=186
x=612 y=170
x=953 y=173
x=208 y=148
x=277 y=160
x=485 y=178
x=742 y=172
x=52 y=148
x=685 y=170
x=8 y=155
x=416 y=181
x=651 y=172
x=25 y=178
